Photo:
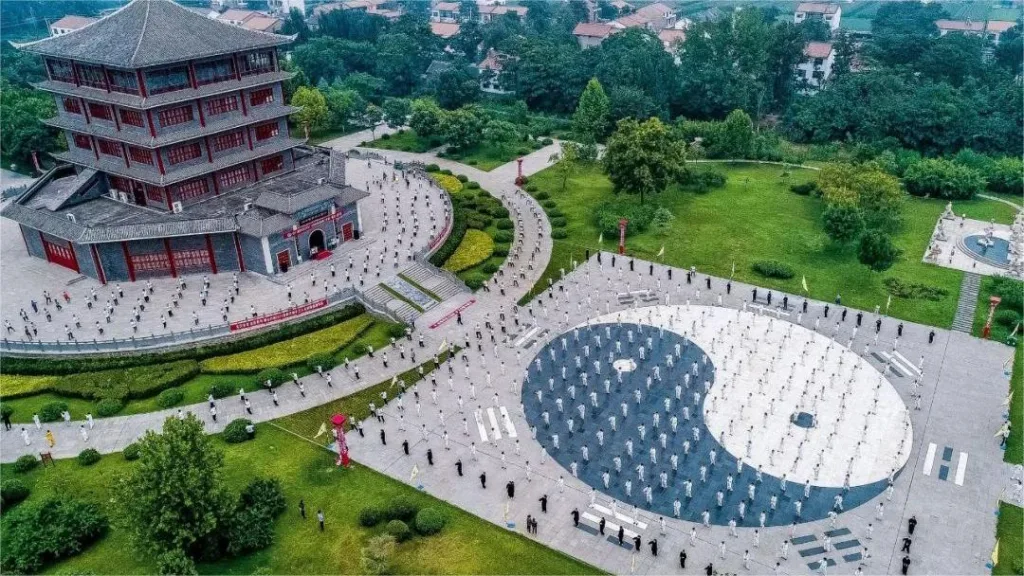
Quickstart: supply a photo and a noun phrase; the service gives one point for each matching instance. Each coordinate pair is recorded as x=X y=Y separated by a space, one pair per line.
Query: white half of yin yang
x=741 y=345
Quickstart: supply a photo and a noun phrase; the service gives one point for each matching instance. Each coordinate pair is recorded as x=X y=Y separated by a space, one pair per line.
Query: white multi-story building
x=284 y=7
x=815 y=70
x=830 y=13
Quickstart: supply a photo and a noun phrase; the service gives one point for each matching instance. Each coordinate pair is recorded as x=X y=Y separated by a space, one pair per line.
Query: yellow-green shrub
x=450 y=184
x=476 y=246
x=290 y=352
x=17 y=386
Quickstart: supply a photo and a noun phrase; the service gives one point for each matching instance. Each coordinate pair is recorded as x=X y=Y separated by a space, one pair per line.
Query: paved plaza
x=795 y=401
x=399 y=220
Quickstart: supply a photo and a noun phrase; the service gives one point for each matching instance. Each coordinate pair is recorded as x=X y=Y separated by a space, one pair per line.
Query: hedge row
x=459 y=226
x=292 y=352
x=122 y=384
x=47 y=366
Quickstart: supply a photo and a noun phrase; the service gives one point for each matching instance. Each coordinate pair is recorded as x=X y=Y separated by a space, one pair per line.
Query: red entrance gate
x=62 y=255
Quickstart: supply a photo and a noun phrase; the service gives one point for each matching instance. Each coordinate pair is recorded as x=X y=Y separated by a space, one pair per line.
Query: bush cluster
x=221 y=390
x=701 y=181
x=805 y=189
x=88 y=457
x=12 y=491
x=773 y=269
x=607 y=217
x=913 y=290
x=430 y=521
x=235 y=432
x=398 y=529
x=51 y=411
x=397 y=509
x=448 y=247
x=252 y=527
x=108 y=407
x=131 y=452
x=121 y=384
x=170 y=398
x=939 y=178
x=275 y=376
x=39 y=534
x=24 y=463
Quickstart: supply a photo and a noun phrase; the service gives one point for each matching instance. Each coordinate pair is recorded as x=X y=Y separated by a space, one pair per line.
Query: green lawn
x=1010 y=532
x=484 y=156
x=1014 y=453
x=317 y=137
x=755 y=217
x=999 y=331
x=468 y=545
x=403 y=141
x=195 y=390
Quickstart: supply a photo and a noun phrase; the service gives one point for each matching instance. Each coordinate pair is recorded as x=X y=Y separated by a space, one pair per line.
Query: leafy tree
x=461 y=129
x=426 y=118
x=313 y=112
x=501 y=134
x=469 y=11
x=371 y=117
x=397 y=111
x=20 y=68
x=38 y=533
x=321 y=59
x=952 y=58
x=21 y=131
x=876 y=194
x=400 y=61
x=342 y=106
x=845 y=52
x=176 y=563
x=842 y=221
x=815 y=30
x=1009 y=53
x=940 y=178
x=877 y=251
x=468 y=40
x=590 y=122
x=296 y=24
x=173 y=497
x=632 y=102
x=643 y=158
x=900 y=29
x=367 y=85
x=455 y=86
x=549 y=76
x=636 y=59
x=1006 y=176
x=736 y=137
x=567 y=161
x=662 y=220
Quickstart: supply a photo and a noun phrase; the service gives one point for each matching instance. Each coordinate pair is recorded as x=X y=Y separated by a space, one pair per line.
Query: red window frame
x=228 y=141
x=234 y=176
x=271 y=165
x=221 y=105
x=72 y=106
x=124 y=81
x=191 y=260
x=108 y=147
x=267 y=130
x=219 y=71
x=192 y=189
x=82 y=141
x=155 y=194
x=184 y=153
x=261 y=97
x=101 y=111
x=120 y=184
x=131 y=117
x=155 y=262
x=140 y=155
x=175 y=116
x=92 y=76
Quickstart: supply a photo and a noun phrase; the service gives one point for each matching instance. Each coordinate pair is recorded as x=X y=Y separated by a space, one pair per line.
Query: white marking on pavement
x=480 y=426
x=908 y=363
x=961 y=469
x=495 y=431
x=929 y=459
x=526 y=336
x=607 y=512
x=507 y=421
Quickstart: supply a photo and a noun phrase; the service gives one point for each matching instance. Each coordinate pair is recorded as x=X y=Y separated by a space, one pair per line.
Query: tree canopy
x=643 y=157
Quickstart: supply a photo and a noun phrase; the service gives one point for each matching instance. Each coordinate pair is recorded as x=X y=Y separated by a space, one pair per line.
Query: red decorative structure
x=622 y=236
x=992 y=303
x=338 y=420
x=519 y=175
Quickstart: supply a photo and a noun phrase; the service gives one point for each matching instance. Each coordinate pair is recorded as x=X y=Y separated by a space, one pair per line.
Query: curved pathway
x=529 y=256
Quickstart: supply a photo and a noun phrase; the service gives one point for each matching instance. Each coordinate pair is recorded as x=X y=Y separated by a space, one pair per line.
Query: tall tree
x=637 y=59
x=396 y=111
x=456 y=85
x=643 y=158
x=312 y=105
x=174 y=498
x=1009 y=53
x=590 y=122
x=462 y=128
x=21 y=131
x=566 y=162
x=846 y=52
x=469 y=11
x=296 y=24
x=900 y=29
x=342 y=106
x=426 y=118
x=400 y=62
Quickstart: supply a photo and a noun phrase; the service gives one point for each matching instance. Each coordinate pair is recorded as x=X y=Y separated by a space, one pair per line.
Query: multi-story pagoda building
x=179 y=158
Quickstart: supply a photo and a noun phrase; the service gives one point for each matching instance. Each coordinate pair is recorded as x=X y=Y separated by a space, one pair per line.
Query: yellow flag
x=995 y=553
x=600 y=238
x=322 y=431
x=662 y=251
x=443 y=346
x=804 y=282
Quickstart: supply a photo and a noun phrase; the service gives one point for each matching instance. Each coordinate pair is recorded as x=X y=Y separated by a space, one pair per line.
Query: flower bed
x=476 y=246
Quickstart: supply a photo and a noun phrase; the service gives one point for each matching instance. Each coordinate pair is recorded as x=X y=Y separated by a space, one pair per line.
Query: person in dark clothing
x=682 y=559
x=843 y=317
x=405 y=447
x=544 y=503
x=785 y=302
x=805 y=312
x=383 y=438
x=931 y=336
x=878 y=325
x=302 y=509
x=650 y=270
x=575 y=517
x=630 y=265
x=860 y=317
x=654 y=547
x=709 y=569
x=430 y=457
x=600 y=526
x=906 y=565
x=826 y=310
x=458 y=466
x=911 y=524
x=637 y=542
x=510 y=489
x=906 y=545
x=899 y=330
x=754 y=294
x=622 y=535
x=483 y=480
x=769 y=299
x=707 y=281
x=529 y=524
x=728 y=287
x=320 y=518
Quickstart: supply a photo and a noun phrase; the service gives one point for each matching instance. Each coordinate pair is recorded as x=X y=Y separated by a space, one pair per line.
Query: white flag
x=322 y=431
x=600 y=238
x=415 y=472
x=444 y=346
x=662 y=251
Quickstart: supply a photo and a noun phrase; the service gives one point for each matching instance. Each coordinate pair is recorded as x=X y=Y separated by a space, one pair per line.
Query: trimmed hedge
x=12 y=491
x=398 y=529
x=275 y=375
x=559 y=233
x=24 y=463
x=51 y=411
x=124 y=383
x=772 y=269
x=48 y=366
x=221 y=390
x=913 y=290
x=170 y=398
x=293 y=352
x=17 y=386
x=475 y=247
x=429 y=521
x=503 y=236
x=108 y=407
x=131 y=452
x=458 y=231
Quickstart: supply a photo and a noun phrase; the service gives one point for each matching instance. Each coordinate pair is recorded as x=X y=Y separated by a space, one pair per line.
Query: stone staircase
x=965 y=307
x=443 y=284
x=381 y=297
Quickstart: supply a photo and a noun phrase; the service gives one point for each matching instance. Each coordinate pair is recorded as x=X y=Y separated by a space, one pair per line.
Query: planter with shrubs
x=235 y=432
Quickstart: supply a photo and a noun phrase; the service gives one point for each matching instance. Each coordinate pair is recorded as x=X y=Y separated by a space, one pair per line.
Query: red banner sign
x=312 y=224
x=453 y=313
x=278 y=316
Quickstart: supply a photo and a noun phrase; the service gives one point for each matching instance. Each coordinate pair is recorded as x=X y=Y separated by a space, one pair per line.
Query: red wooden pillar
x=170 y=258
x=170 y=201
x=142 y=83
x=209 y=252
x=241 y=96
x=128 y=261
x=159 y=160
x=99 y=266
x=238 y=250
x=152 y=127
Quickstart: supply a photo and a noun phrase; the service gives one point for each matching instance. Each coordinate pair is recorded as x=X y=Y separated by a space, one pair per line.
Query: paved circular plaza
x=724 y=411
